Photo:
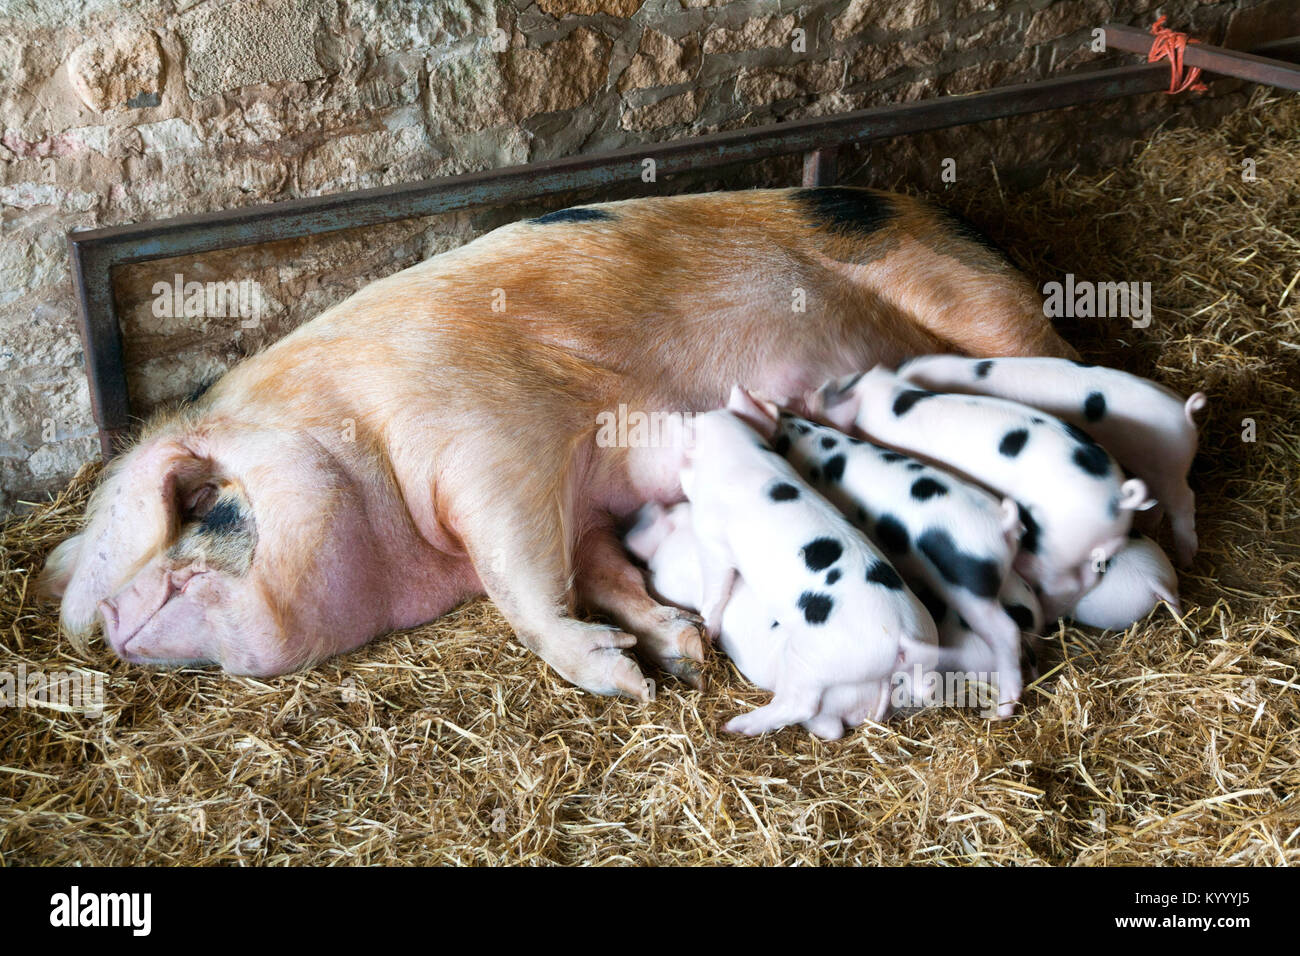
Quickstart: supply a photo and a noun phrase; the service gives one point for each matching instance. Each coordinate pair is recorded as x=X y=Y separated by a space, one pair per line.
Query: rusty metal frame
x=95 y=253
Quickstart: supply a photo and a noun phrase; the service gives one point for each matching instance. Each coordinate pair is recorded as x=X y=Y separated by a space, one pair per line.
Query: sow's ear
x=759 y=415
x=135 y=511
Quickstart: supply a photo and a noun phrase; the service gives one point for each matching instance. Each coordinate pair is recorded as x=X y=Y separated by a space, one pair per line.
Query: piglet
x=1074 y=502
x=665 y=540
x=941 y=532
x=1148 y=428
x=1136 y=579
x=848 y=617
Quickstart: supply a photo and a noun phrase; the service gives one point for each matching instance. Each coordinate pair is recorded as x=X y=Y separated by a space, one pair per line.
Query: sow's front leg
x=514 y=524
x=609 y=583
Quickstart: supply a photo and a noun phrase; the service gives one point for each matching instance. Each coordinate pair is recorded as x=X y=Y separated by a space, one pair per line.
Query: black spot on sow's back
x=847 y=212
x=574 y=214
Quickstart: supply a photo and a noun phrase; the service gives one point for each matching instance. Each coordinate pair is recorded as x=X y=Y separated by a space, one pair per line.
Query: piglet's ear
x=136 y=511
x=836 y=402
x=759 y=415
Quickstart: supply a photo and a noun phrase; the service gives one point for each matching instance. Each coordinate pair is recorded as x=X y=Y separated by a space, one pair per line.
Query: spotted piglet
x=940 y=532
x=664 y=539
x=1074 y=502
x=1136 y=579
x=1148 y=428
x=849 y=618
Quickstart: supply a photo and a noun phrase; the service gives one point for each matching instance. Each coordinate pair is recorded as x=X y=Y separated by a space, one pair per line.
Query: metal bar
x=96 y=252
x=101 y=339
x=1212 y=59
x=819 y=167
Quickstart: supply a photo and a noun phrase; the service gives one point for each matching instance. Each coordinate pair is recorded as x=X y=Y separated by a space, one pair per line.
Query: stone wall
x=114 y=112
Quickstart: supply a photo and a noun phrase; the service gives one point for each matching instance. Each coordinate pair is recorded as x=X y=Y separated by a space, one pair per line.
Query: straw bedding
x=1176 y=742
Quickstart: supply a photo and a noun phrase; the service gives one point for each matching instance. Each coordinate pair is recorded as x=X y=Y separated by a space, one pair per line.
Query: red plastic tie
x=1170 y=44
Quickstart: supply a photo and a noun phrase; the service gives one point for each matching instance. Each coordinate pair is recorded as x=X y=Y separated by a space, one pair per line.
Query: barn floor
x=1176 y=743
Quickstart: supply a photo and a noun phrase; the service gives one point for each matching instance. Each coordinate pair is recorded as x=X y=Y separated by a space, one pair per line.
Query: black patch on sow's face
x=855 y=213
x=820 y=553
x=573 y=214
x=223 y=518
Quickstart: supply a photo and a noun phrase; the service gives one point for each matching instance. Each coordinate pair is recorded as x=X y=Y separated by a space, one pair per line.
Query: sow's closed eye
x=217 y=531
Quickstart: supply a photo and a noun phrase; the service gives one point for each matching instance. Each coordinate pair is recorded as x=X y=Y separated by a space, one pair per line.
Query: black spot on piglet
x=982 y=369
x=833 y=468
x=781 y=444
x=1093 y=459
x=892 y=535
x=1029 y=541
x=816 y=607
x=828 y=442
x=1094 y=406
x=783 y=491
x=1023 y=617
x=820 y=553
x=1013 y=442
x=933 y=603
x=979 y=576
x=882 y=574
x=907 y=398
x=923 y=489
x=832 y=576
